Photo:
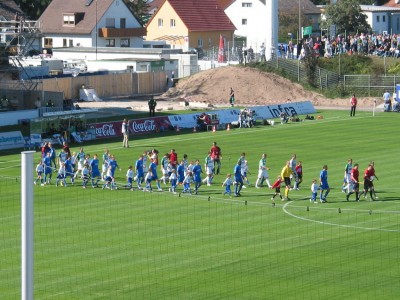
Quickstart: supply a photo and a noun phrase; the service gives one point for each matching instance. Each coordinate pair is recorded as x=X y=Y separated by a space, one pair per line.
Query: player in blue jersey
x=197 y=176
x=139 y=172
x=323 y=184
x=95 y=171
x=53 y=155
x=112 y=162
x=152 y=176
x=238 y=178
x=47 y=169
x=85 y=175
x=62 y=157
x=180 y=170
x=69 y=172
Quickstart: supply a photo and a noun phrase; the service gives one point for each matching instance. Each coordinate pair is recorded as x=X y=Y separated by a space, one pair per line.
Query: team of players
x=189 y=173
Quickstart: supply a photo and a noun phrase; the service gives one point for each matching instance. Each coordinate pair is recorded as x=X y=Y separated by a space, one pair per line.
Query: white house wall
x=262 y=23
x=118 y=10
x=255 y=29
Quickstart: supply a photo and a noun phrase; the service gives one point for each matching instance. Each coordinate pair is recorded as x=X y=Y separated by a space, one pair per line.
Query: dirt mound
x=251 y=86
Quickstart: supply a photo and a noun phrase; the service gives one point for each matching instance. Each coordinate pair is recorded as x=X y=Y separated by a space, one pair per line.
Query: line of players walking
x=189 y=173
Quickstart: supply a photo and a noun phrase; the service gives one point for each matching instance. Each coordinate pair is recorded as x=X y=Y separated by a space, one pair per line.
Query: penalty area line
x=284 y=208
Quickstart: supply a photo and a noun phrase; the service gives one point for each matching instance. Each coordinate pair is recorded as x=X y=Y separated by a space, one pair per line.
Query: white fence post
x=27 y=225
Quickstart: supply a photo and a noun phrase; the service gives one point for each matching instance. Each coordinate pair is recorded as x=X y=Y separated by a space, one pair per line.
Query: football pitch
x=121 y=244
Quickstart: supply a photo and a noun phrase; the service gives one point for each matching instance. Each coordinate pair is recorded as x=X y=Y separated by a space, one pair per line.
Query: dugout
x=57 y=127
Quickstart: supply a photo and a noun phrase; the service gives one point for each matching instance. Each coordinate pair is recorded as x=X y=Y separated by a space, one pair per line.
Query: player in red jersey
x=354 y=186
x=216 y=156
x=277 y=187
x=369 y=176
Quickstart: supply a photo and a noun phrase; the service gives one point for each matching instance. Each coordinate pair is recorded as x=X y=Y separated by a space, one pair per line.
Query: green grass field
x=103 y=244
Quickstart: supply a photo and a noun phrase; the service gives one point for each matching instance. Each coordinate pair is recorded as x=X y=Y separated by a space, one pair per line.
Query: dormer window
x=69 y=19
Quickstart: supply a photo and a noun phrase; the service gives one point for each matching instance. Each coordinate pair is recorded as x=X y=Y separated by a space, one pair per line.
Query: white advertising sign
x=262 y=112
x=11 y=140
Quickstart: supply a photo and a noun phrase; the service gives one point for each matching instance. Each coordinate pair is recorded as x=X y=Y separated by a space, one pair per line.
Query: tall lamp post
x=97 y=31
x=298 y=37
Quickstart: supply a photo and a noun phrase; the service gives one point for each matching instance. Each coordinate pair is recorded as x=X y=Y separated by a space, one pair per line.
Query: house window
x=160 y=22
x=65 y=43
x=247 y=4
x=71 y=43
x=172 y=23
x=110 y=23
x=69 y=19
x=383 y=18
x=244 y=21
x=377 y=18
x=48 y=43
x=200 y=43
x=209 y=42
x=125 y=42
x=122 y=23
x=110 y=43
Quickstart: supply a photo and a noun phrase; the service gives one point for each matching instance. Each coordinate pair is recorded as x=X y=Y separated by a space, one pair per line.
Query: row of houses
x=179 y=24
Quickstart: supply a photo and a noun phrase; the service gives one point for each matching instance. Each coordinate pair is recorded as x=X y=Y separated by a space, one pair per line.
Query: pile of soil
x=252 y=87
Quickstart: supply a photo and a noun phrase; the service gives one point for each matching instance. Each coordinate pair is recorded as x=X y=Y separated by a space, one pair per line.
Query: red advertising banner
x=138 y=126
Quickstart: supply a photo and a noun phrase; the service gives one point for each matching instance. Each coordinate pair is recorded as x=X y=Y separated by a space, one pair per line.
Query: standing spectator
x=125 y=133
x=387 y=102
x=216 y=156
x=238 y=178
x=262 y=53
x=324 y=186
x=353 y=104
x=152 y=106
x=232 y=97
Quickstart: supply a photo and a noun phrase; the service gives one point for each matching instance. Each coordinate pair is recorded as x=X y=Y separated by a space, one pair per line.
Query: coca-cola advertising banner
x=137 y=126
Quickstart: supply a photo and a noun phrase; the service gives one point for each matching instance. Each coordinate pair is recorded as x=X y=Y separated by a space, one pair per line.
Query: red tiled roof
x=392 y=3
x=155 y=5
x=8 y=9
x=225 y=3
x=52 y=18
x=202 y=15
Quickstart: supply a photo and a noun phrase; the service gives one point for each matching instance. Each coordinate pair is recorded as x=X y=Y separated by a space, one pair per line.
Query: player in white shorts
x=209 y=167
x=263 y=172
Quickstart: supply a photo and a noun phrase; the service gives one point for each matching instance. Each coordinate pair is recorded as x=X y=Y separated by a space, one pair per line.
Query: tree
x=347 y=16
x=140 y=9
x=33 y=8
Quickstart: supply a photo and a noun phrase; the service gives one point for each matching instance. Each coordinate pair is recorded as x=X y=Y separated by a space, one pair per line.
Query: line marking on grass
x=284 y=208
